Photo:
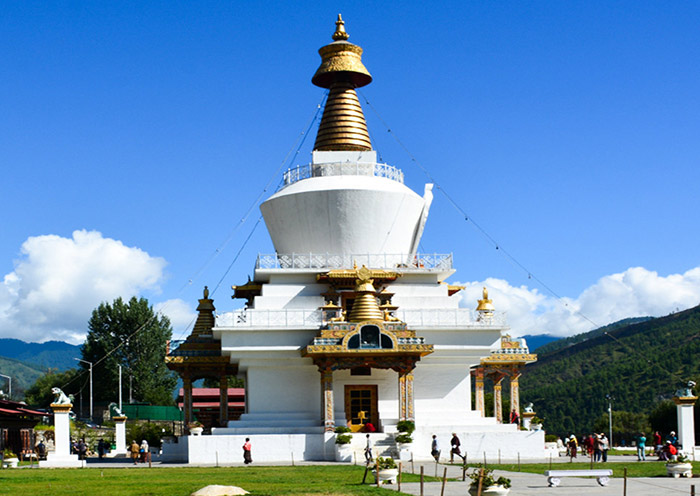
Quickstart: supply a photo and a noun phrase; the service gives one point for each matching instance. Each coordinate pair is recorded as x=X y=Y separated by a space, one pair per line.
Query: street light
x=9 y=379
x=610 y=399
x=90 y=363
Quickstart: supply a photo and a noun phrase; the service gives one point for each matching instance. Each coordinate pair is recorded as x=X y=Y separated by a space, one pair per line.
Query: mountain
x=639 y=363
x=51 y=354
x=536 y=342
x=23 y=375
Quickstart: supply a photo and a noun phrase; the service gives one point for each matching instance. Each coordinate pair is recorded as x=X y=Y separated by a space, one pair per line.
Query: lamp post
x=89 y=363
x=610 y=399
x=9 y=396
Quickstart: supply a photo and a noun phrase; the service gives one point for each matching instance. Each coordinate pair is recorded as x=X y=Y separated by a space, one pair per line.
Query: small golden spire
x=343 y=125
x=485 y=305
x=340 y=33
x=365 y=306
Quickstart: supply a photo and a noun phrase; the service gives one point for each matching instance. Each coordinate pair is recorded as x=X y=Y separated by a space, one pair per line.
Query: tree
x=39 y=394
x=134 y=336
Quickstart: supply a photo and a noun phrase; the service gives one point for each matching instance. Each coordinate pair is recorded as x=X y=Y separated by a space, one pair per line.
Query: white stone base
x=62 y=461
x=227 y=448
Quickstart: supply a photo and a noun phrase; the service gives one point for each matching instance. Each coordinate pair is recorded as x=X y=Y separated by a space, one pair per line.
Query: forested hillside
x=638 y=364
x=49 y=355
x=23 y=375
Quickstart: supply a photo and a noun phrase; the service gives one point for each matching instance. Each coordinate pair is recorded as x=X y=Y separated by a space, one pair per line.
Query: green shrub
x=384 y=463
x=342 y=429
x=404 y=438
x=343 y=439
x=550 y=438
x=406 y=426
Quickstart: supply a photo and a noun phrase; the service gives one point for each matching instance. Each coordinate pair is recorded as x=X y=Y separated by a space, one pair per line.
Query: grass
x=634 y=468
x=326 y=480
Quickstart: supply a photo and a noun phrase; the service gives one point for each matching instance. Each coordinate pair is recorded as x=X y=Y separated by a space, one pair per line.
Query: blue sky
x=567 y=130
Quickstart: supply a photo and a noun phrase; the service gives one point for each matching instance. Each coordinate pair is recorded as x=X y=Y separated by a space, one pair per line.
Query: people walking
x=435 y=448
x=604 y=446
x=454 y=445
x=368 y=450
x=247 y=455
x=572 y=446
x=134 y=449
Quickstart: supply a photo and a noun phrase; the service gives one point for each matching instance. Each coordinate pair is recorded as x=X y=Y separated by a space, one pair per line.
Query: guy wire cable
x=497 y=245
x=300 y=141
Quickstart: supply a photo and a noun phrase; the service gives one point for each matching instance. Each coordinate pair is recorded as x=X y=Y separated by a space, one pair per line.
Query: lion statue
x=114 y=410
x=60 y=397
x=687 y=390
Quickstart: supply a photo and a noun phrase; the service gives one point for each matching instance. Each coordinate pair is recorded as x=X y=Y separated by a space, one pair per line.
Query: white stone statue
x=114 y=410
x=528 y=408
x=60 y=397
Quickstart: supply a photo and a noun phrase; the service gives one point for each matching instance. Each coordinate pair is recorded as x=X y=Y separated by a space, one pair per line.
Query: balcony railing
x=441 y=318
x=420 y=261
x=341 y=169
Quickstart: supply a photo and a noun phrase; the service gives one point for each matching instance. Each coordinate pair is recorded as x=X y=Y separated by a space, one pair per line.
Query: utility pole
x=120 y=387
x=89 y=363
x=610 y=399
x=9 y=396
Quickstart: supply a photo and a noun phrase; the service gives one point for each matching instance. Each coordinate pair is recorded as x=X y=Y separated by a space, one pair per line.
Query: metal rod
x=421 y=480
x=444 y=479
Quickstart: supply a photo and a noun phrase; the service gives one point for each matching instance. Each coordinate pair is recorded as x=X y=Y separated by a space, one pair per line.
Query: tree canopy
x=134 y=336
x=39 y=394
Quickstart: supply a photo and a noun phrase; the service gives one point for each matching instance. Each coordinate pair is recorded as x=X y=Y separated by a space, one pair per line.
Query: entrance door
x=361 y=399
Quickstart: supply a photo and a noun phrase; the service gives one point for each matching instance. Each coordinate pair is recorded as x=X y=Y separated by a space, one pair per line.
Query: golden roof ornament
x=343 y=125
x=485 y=305
x=365 y=306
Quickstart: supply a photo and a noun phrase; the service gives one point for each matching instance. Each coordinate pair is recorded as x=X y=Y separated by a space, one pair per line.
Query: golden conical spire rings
x=343 y=125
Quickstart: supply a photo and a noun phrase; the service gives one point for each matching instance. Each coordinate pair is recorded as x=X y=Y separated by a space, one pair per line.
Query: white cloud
x=635 y=292
x=181 y=316
x=59 y=281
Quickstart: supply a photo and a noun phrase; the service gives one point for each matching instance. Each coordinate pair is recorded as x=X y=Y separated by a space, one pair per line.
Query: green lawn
x=634 y=468
x=175 y=481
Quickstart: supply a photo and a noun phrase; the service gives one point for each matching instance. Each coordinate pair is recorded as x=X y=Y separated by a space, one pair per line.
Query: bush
x=404 y=438
x=550 y=438
x=384 y=463
x=8 y=453
x=343 y=439
x=150 y=431
x=406 y=426
x=487 y=479
x=342 y=429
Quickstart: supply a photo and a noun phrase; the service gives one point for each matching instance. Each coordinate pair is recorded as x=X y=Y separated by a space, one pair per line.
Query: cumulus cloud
x=181 y=316
x=57 y=282
x=635 y=292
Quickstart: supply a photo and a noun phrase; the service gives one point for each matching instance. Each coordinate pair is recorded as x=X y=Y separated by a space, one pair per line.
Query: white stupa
x=346 y=324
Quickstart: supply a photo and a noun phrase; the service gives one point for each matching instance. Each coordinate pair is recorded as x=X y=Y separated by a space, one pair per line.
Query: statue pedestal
x=120 y=436
x=686 y=423
x=61 y=457
x=527 y=419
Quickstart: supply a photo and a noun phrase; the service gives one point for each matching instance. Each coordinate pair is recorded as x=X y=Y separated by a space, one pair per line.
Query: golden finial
x=206 y=292
x=340 y=33
x=485 y=305
x=343 y=125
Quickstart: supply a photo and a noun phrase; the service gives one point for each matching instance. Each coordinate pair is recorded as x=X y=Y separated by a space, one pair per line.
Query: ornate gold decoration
x=485 y=305
x=678 y=400
x=343 y=125
x=61 y=407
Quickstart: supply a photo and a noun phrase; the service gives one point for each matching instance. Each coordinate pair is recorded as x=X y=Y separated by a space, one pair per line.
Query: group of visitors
x=139 y=453
x=593 y=445
x=666 y=450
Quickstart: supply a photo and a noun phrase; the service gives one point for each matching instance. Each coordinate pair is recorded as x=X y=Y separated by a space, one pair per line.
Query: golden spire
x=365 y=306
x=343 y=125
x=205 y=320
x=485 y=305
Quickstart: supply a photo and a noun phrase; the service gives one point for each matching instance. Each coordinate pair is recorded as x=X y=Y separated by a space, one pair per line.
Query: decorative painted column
x=327 y=399
x=686 y=423
x=223 y=401
x=515 y=391
x=187 y=400
x=406 y=410
x=479 y=390
x=497 y=401
x=120 y=435
x=61 y=457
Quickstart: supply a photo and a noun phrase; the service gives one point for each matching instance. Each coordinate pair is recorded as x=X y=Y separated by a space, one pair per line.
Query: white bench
x=601 y=475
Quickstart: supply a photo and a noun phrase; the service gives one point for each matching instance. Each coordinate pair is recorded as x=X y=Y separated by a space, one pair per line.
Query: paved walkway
x=536 y=484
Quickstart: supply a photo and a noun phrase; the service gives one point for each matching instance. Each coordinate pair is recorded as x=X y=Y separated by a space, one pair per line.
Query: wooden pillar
x=327 y=399
x=515 y=391
x=406 y=410
x=479 y=390
x=187 y=399
x=497 y=400
x=223 y=401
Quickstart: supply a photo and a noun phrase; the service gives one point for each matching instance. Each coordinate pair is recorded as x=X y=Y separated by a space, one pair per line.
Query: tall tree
x=134 y=336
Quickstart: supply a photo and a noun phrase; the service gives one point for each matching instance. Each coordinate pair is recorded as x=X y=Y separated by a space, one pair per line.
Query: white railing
x=420 y=261
x=460 y=317
x=300 y=172
x=448 y=318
